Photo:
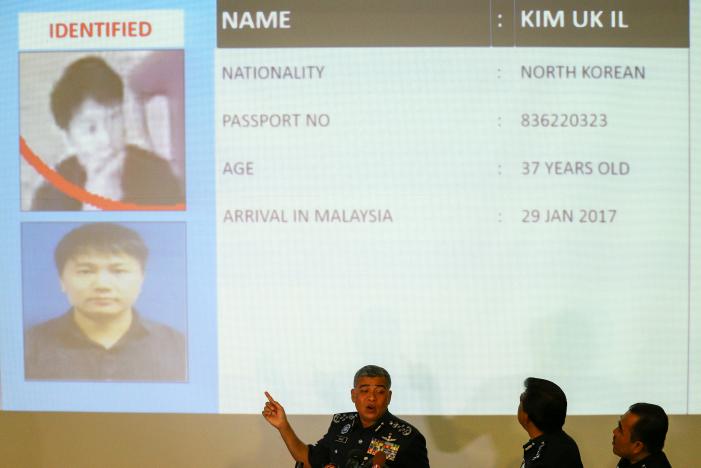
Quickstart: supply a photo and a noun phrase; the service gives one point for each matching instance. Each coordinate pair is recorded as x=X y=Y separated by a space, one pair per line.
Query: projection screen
x=464 y=192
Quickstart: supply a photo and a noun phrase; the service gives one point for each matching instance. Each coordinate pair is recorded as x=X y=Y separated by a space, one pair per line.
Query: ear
x=353 y=395
x=389 y=396
x=638 y=447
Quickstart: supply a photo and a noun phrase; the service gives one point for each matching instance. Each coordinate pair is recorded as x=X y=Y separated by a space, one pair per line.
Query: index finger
x=269 y=397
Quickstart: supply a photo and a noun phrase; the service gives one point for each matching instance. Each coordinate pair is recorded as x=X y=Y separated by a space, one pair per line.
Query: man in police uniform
x=357 y=437
x=639 y=437
x=542 y=413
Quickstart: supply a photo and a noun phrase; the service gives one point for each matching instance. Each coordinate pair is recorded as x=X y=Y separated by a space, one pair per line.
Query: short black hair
x=651 y=426
x=545 y=404
x=103 y=238
x=86 y=78
x=372 y=371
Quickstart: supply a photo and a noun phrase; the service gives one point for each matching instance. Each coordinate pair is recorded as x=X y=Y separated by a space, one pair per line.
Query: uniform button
x=360 y=441
x=335 y=451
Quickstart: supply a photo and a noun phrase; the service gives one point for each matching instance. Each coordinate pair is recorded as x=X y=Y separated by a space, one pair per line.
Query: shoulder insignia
x=537 y=454
x=340 y=417
x=401 y=427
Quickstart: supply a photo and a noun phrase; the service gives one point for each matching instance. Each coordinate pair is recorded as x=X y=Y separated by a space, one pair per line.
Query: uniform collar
x=377 y=425
x=540 y=439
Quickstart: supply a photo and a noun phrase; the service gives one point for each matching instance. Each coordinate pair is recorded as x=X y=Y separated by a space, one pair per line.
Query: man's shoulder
x=135 y=151
x=138 y=158
x=161 y=331
x=149 y=179
x=49 y=328
x=71 y=169
x=561 y=438
x=401 y=427
x=401 y=441
x=343 y=421
x=344 y=417
x=656 y=460
x=660 y=460
x=47 y=197
x=553 y=449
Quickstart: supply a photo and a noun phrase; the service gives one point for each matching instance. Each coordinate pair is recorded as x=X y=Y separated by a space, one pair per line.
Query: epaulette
x=402 y=427
x=341 y=417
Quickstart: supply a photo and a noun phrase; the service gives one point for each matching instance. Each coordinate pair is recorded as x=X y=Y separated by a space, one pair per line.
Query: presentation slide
x=203 y=201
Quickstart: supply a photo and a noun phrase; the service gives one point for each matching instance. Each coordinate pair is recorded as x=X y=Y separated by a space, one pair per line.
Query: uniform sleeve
x=319 y=454
x=415 y=454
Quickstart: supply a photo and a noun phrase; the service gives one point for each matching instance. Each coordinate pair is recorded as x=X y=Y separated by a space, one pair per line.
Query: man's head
x=542 y=404
x=101 y=268
x=371 y=393
x=641 y=431
x=86 y=103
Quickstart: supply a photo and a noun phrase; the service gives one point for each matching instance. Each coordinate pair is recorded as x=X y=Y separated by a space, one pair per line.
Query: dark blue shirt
x=402 y=443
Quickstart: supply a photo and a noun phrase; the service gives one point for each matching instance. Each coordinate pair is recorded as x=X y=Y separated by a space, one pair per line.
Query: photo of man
x=104 y=336
x=120 y=138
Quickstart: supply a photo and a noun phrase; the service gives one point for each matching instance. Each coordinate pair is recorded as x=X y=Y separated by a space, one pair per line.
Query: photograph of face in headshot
x=104 y=301
x=102 y=126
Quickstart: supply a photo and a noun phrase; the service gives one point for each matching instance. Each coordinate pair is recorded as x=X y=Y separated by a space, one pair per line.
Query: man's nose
x=103 y=133
x=103 y=280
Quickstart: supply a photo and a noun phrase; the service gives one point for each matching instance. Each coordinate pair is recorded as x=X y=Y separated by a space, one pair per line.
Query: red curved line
x=79 y=193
